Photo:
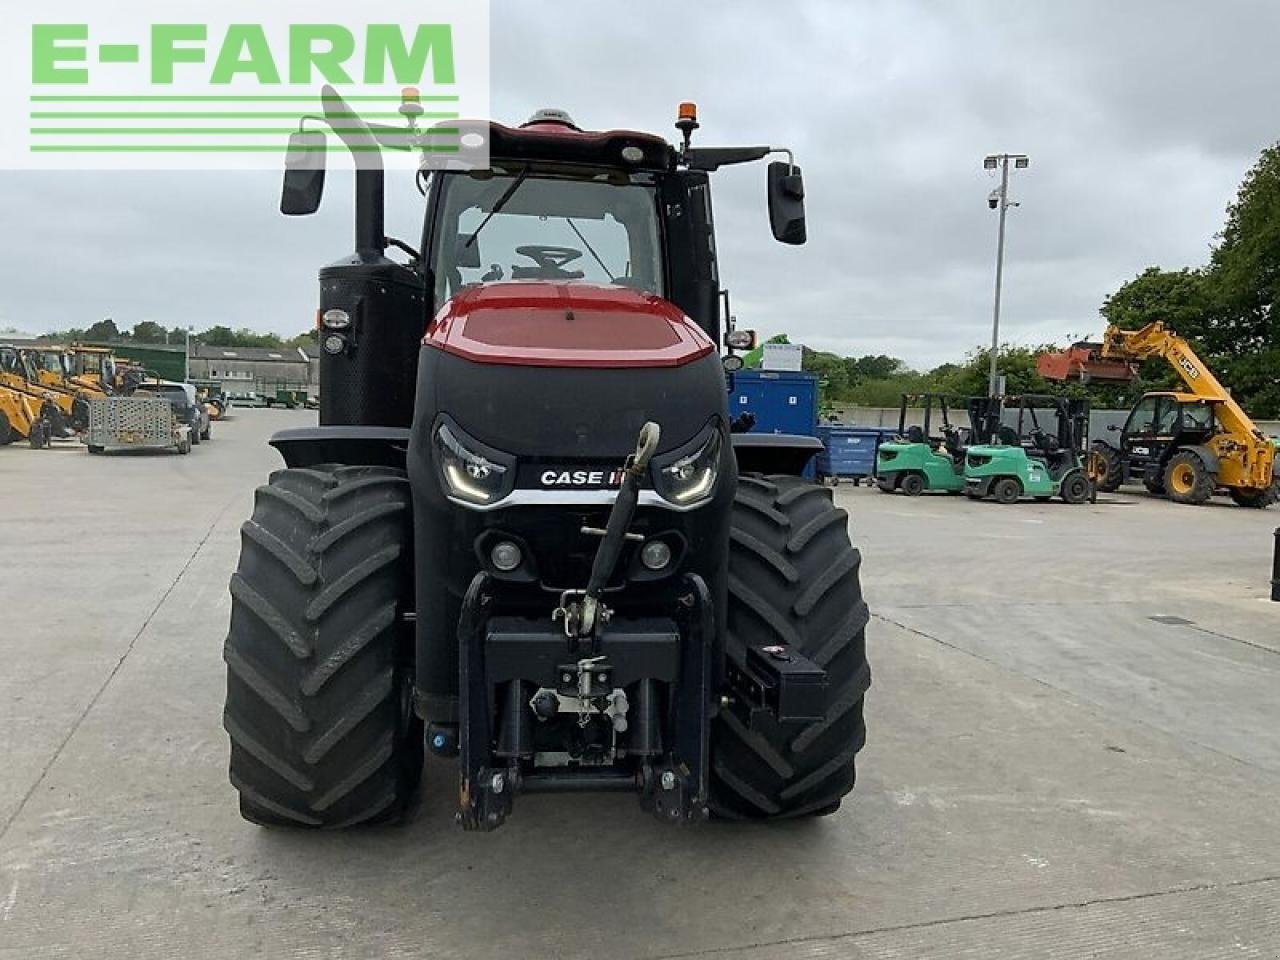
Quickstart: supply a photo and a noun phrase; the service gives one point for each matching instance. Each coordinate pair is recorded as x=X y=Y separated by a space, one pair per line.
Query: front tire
x=1188 y=480
x=319 y=660
x=6 y=430
x=793 y=579
x=1006 y=490
x=1075 y=488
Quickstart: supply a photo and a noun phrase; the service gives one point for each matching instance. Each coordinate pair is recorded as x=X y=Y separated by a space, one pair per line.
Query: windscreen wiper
x=497 y=207
x=592 y=250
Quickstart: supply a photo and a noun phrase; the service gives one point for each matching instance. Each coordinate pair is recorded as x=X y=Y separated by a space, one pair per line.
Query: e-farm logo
x=140 y=85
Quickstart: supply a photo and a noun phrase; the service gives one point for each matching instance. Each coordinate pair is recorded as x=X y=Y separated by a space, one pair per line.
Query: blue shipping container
x=782 y=402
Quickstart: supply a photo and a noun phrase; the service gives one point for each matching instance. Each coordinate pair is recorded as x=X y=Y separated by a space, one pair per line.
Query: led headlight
x=691 y=477
x=468 y=474
x=336 y=319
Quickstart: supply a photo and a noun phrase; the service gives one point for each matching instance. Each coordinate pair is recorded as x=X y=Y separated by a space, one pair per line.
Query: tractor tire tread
x=768 y=770
x=317 y=657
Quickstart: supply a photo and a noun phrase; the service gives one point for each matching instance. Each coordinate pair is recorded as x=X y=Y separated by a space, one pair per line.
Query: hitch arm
x=620 y=517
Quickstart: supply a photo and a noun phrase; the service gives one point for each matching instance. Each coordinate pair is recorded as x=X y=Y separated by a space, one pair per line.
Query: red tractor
x=525 y=532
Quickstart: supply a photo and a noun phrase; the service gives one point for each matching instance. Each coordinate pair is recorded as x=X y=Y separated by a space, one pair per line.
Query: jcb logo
x=1188 y=367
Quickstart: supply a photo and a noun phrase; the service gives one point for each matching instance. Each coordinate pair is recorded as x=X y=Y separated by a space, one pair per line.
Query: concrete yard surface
x=1074 y=751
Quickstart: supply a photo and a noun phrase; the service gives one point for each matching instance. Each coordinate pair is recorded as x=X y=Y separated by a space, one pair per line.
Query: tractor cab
x=1037 y=449
x=920 y=459
x=555 y=211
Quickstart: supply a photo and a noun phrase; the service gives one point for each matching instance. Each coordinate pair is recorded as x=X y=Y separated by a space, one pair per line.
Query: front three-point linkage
x=585 y=681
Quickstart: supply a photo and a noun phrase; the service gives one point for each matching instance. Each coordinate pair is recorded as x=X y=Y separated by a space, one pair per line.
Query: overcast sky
x=1140 y=117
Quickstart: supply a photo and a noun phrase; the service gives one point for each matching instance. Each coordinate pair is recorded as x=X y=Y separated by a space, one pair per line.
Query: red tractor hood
x=541 y=323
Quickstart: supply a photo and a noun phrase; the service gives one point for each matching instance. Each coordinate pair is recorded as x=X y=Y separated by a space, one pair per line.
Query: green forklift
x=916 y=460
x=1026 y=460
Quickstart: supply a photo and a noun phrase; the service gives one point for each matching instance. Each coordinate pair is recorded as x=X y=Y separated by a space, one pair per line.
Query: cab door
x=1140 y=438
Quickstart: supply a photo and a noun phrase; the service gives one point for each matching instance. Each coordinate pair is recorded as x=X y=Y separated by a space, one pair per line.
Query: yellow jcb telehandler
x=1185 y=445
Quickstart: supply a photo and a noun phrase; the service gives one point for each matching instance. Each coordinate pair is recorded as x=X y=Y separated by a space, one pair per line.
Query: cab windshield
x=521 y=224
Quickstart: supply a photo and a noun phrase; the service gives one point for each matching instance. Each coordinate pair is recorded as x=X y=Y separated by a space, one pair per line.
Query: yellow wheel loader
x=18 y=374
x=24 y=418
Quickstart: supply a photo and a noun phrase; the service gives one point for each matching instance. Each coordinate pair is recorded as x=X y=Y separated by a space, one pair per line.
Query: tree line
x=149 y=332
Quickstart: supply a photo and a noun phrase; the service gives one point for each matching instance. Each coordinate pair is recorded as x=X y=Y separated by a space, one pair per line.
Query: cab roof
x=551 y=140
x=1181 y=397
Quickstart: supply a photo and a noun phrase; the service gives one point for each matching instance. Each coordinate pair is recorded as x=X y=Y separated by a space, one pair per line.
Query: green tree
x=221 y=336
x=102 y=331
x=833 y=380
x=1180 y=298
x=1242 y=332
x=148 y=332
x=307 y=338
x=1017 y=365
x=878 y=367
x=1227 y=309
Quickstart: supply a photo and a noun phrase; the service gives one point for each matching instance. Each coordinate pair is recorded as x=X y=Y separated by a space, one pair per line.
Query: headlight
x=690 y=478
x=468 y=472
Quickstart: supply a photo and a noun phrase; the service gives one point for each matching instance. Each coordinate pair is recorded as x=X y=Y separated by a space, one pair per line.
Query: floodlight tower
x=999 y=200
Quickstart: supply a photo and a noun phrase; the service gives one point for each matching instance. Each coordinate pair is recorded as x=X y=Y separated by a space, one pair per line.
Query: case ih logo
x=138 y=84
x=603 y=479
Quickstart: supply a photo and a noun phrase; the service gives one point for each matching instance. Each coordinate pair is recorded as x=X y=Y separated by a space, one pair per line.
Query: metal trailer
x=135 y=423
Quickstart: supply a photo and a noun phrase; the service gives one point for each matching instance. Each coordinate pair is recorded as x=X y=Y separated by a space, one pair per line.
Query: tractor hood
x=544 y=323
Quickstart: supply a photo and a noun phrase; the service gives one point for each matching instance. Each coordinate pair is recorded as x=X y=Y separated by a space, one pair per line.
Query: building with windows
x=243 y=370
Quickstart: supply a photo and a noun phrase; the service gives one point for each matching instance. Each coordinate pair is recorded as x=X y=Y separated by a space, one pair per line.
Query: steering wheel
x=549 y=257
x=1044 y=441
x=551 y=261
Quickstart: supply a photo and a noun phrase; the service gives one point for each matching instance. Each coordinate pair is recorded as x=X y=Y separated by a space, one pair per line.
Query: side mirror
x=786 y=203
x=303 y=175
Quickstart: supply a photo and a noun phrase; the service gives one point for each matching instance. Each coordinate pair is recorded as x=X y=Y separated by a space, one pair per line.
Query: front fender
x=774 y=452
x=1206 y=455
x=351 y=445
